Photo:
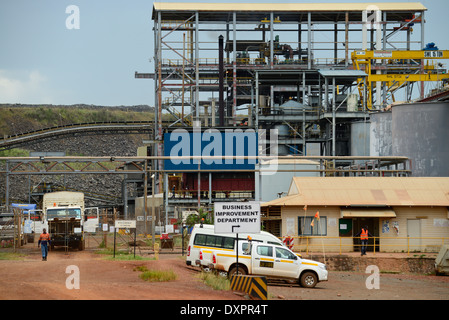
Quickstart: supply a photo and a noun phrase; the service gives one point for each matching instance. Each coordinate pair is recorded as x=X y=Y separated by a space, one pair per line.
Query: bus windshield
x=64 y=213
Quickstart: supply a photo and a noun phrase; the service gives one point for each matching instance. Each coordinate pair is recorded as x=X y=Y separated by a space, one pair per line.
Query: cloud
x=24 y=87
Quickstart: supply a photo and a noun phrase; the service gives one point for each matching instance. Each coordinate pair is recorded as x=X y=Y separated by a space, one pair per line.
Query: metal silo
x=360 y=138
x=420 y=131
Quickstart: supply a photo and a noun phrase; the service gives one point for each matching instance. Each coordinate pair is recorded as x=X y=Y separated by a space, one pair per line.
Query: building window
x=319 y=227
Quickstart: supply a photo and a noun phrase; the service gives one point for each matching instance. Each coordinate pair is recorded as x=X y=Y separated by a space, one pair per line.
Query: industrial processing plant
x=236 y=151
x=337 y=79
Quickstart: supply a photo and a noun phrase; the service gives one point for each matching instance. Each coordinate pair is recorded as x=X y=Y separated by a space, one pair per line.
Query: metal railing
x=375 y=244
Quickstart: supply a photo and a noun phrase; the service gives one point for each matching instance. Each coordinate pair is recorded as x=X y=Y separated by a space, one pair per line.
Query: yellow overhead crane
x=399 y=68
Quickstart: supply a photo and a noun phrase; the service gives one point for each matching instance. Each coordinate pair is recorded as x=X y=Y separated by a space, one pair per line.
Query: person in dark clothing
x=44 y=241
x=364 y=234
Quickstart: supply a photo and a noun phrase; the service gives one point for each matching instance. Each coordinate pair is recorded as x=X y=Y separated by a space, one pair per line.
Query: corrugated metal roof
x=287 y=7
x=365 y=191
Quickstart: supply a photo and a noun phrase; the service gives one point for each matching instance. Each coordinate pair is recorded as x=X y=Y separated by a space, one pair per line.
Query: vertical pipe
x=199 y=185
x=145 y=194
x=326 y=94
x=166 y=197
x=347 y=39
x=309 y=40
x=220 y=80
x=378 y=62
x=153 y=219
x=234 y=66
x=384 y=37
x=335 y=43
x=364 y=30
x=197 y=67
x=125 y=197
x=183 y=76
x=7 y=186
x=422 y=30
x=251 y=108
x=422 y=46
x=271 y=40
x=384 y=47
x=210 y=188
x=334 y=96
x=256 y=126
x=206 y=116
x=159 y=106
x=320 y=94
x=157 y=43
x=299 y=40
x=213 y=113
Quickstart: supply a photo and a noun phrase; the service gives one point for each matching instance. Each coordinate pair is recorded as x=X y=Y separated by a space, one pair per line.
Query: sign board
x=237 y=217
x=433 y=54
x=125 y=224
x=383 y=54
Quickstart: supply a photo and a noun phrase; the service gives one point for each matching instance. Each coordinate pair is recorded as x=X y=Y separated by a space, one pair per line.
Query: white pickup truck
x=271 y=261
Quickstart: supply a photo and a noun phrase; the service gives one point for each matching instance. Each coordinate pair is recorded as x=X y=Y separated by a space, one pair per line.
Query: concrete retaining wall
x=420 y=265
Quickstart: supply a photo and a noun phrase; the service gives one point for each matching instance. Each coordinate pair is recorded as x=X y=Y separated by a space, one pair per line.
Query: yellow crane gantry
x=397 y=68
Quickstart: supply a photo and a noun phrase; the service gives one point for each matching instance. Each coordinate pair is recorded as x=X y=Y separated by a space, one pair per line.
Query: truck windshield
x=61 y=213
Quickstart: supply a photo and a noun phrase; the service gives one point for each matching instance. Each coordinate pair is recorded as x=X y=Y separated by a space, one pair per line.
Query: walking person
x=44 y=241
x=364 y=234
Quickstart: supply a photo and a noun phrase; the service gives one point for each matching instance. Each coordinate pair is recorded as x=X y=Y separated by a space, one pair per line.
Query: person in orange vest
x=364 y=234
x=44 y=241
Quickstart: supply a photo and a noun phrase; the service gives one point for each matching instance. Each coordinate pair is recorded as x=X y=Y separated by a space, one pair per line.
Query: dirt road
x=344 y=285
x=100 y=279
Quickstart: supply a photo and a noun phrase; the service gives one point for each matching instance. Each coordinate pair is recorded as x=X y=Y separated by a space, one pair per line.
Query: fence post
x=408 y=246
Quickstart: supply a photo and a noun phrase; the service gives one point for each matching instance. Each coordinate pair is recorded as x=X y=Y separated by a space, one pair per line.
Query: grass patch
x=389 y=272
x=215 y=281
x=17 y=152
x=156 y=275
x=11 y=256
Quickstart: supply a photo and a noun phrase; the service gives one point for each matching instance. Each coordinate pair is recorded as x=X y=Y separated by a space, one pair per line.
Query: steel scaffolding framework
x=274 y=53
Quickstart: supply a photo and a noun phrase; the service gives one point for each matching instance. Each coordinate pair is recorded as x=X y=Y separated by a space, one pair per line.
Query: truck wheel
x=233 y=271
x=308 y=280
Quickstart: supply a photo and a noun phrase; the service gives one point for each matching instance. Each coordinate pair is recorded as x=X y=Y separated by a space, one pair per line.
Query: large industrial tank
x=381 y=143
x=283 y=133
x=360 y=138
x=421 y=132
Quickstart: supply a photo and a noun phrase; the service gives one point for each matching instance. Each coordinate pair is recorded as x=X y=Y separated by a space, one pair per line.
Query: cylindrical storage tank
x=283 y=133
x=380 y=134
x=420 y=132
x=360 y=143
x=283 y=130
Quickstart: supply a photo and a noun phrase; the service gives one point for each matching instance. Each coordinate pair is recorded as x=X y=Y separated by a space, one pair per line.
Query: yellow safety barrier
x=254 y=286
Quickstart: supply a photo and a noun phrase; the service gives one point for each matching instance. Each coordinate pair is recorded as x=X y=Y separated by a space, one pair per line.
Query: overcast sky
x=42 y=61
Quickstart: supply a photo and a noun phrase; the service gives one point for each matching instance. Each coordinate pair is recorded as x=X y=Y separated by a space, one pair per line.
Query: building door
x=373 y=228
x=414 y=234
